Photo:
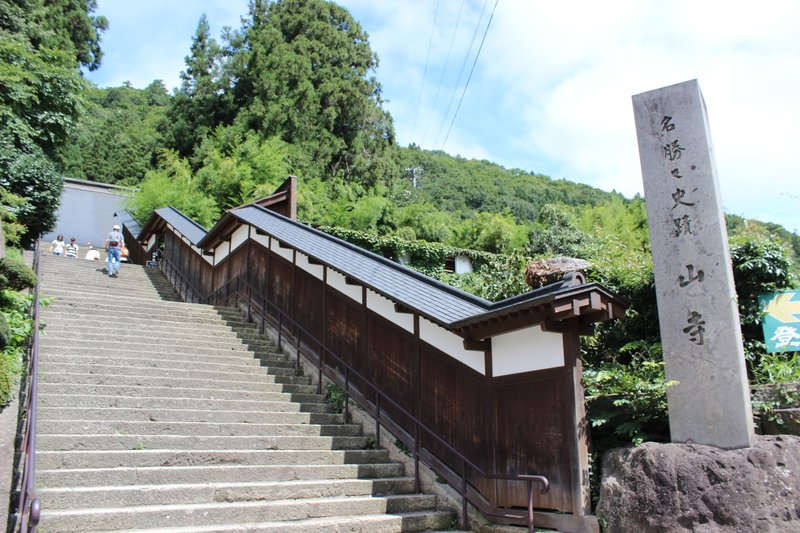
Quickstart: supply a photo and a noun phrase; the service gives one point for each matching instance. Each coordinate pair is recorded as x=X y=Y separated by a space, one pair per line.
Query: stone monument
x=697 y=307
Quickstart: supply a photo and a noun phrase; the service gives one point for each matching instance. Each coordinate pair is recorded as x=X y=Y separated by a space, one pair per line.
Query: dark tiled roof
x=188 y=227
x=437 y=301
x=431 y=298
x=129 y=222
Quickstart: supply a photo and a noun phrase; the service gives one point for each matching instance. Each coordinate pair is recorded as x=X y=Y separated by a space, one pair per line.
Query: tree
x=69 y=25
x=301 y=73
x=197 y=107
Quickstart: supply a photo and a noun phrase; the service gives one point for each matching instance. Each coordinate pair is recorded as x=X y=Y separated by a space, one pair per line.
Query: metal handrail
x=185 y=283
x=29 y=506
x=326 y=356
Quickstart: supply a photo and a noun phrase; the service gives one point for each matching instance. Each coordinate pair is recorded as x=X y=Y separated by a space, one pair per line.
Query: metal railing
x=337 y=370
x=29 y=506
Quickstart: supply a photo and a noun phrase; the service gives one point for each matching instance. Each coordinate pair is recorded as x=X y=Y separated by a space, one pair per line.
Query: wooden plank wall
x=518 y=424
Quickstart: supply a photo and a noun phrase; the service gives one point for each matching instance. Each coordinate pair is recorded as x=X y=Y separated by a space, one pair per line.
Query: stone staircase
x=157 y=415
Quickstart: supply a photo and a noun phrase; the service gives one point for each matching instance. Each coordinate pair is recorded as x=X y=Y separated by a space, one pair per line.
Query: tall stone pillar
x=697 y=308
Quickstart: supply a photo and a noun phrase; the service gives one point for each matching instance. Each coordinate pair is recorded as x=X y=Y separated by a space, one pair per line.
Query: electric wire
x=472 y=70
x=461 y=71
x=425 y=70
x=444 y=70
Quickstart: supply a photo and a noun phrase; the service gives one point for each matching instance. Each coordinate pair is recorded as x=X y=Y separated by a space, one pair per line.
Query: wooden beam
x=400 y=308
x=477 y=345
x=208 y=252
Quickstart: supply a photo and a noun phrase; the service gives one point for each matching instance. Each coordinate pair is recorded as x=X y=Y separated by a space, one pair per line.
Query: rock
x=671 y=488
x=546 y=271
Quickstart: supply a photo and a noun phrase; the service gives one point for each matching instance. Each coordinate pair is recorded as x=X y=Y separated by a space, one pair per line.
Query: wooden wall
x=514 y=424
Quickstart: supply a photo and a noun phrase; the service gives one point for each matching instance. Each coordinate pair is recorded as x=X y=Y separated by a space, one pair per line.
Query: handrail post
x=378 y=418
x=417 y=483
x=464 y=517
x=530 y=506
x=280 y=333
x=263 y=315
x=347 y=398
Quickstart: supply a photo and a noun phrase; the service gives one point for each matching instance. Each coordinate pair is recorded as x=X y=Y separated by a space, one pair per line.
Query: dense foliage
x=292 y=91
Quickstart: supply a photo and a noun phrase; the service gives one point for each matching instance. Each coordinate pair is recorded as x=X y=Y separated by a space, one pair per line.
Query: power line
x=425 y=71
x=483 y=40
x=444 y=69
x=461 y=71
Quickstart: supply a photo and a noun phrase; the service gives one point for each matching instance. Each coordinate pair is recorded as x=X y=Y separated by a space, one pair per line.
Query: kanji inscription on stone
x=697 y=309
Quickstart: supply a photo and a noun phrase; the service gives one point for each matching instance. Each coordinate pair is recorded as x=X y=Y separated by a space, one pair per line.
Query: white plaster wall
x=336 y=280
x=239 y=236
x=526 y=350
x=315 y=270
x=385 y=308
x=260 y=239
x=286 y=253
x=221 y=252
x=451 y=344
x=151 y=241
x=463 y=264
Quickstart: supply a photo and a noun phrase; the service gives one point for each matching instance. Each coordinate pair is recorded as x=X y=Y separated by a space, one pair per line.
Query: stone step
x=104 y=442
x=79 y=327
x=148 y=458
x=150 y=516
x=146 y=358
x=143 y=402
x=86 y=302
x=156 y=475
x=189 y=415
x=123 y=390
x=66 y=370
x=124 y=427
x=170 y=494
x=382 y=523
x=133 y=337
x=118 y=362
x=234 y=349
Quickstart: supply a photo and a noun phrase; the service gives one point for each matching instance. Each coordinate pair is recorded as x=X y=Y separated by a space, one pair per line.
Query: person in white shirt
x=57 y=246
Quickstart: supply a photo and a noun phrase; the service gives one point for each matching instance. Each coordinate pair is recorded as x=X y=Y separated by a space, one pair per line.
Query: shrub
x=15 y=274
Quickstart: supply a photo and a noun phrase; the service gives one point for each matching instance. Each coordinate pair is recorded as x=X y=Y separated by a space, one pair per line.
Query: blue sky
x=551 y=91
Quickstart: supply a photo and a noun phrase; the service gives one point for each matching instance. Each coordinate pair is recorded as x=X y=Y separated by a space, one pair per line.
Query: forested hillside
x=292 y=91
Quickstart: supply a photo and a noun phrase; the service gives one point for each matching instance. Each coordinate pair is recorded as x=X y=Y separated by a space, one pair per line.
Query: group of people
x=114 y=245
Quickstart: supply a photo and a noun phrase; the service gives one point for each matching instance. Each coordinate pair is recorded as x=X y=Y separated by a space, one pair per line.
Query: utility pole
x=414 y=171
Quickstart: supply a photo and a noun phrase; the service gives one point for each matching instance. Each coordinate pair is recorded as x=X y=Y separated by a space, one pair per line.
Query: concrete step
x=145 y=359
x=149 y=458
x=144 y=402
x=131 y=336
x=202 y=474
x=189 y=415
x=119 y=518
x=237 y=350
x=122 y=389
x=170 y=494
x=188 y=379
x=123 y=427
x=382 y=523
x=105 y=442
x=64 y=371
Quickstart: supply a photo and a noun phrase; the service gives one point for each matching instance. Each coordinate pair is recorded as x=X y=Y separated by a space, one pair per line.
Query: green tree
x=198 y=105
x=172 y=184
x=556 y=233
x=69 y=25
x=238 y=168
x=301 y=69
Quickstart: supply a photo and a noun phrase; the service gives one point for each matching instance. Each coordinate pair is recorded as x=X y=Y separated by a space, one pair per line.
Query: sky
x=551 y=90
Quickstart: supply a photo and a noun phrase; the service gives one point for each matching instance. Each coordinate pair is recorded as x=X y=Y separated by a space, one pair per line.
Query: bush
x=15 y=274
x=20 y=326
x=5 y=332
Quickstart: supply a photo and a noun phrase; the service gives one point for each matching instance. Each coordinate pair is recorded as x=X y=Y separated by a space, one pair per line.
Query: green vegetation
x=292 y=91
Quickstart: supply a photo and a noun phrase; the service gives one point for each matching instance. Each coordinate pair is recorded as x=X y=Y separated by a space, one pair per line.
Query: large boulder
x=671 y=488
x=546 y=271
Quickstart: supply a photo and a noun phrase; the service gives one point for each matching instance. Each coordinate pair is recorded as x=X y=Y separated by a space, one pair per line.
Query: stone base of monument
x=672 y=488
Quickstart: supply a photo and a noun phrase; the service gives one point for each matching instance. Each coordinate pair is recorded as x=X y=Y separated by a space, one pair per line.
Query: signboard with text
x=781 y=321
x=699 y=318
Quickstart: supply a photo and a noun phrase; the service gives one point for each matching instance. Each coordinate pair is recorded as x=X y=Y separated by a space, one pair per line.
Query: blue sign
x=781 y=320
